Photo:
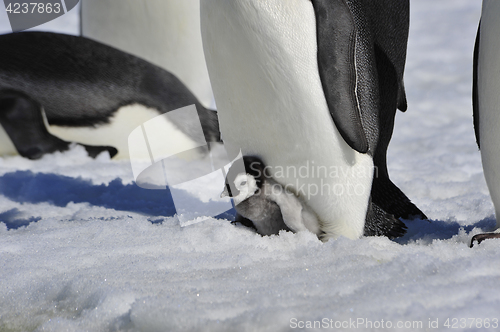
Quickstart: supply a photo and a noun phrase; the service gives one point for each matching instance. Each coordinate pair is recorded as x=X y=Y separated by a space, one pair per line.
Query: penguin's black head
x=254 y=175
x=256 y=168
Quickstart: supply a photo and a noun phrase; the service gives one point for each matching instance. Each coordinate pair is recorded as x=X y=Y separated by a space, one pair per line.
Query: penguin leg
x=385 y=193
x=94 y=150
x=391 y=199
x=22 y=119
x=380 y=223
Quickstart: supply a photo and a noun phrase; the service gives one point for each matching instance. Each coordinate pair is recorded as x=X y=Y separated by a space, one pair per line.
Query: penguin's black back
x=81 y=82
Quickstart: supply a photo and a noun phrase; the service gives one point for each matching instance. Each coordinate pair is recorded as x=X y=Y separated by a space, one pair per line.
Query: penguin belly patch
x=116 y=132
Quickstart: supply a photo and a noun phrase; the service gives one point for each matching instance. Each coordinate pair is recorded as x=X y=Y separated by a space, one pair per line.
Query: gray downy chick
x=266 y=203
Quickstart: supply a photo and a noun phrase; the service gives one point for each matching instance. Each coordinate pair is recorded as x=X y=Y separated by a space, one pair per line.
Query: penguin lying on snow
x=486 y=85
x=264 y=204
x=89 y=92
x=314 y=82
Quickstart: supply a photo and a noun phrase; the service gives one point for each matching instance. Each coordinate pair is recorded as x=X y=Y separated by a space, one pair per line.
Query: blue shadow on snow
x=29 y=187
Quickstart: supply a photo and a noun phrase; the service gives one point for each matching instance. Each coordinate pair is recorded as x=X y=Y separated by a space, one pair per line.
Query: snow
x=82 y=248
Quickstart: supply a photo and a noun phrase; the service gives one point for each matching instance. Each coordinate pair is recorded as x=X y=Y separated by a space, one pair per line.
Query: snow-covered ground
x=100 y=254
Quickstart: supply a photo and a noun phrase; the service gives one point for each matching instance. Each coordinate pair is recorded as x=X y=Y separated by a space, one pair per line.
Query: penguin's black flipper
x=380 y=223
x=475 y=106
x=336 y=38
x=351 y=110
x=22 y=120
x=391 y=199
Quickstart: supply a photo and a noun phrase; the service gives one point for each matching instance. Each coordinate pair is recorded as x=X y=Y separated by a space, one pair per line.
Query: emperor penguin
x=486 y=104
x=57 y=88
x=163 y=32
x=312 y=87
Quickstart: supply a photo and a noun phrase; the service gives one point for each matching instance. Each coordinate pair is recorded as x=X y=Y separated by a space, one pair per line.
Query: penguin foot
x=483 y=236
x=391 y=199
x=22 y=120
x=37 y=149
x=94 y=151
x=381 y=223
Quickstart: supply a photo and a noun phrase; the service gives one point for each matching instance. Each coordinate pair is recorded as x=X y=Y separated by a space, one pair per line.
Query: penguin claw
x=483 y=236
x=381 y=223
x=391 y=199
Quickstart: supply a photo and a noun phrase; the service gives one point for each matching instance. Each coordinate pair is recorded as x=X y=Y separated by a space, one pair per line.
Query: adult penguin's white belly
x=488 y=88
x=164 y=32
x=262 y=60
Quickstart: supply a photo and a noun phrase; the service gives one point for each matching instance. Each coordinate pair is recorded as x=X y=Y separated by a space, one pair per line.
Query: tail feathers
x=381 y=223
x=391 y=199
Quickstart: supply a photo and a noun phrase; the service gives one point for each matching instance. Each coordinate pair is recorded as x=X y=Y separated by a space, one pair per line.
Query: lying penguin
x=89 y=93
x=486 y=83
x=267 y=206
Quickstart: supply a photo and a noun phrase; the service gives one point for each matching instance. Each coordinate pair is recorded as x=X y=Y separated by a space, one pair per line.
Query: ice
x=82 y=248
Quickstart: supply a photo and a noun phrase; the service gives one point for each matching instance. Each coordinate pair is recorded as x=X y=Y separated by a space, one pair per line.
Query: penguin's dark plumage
x=322 y=82
x=79 y=82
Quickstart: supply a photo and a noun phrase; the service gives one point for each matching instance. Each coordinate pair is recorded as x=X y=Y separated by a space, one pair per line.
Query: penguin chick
x=266 y=203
